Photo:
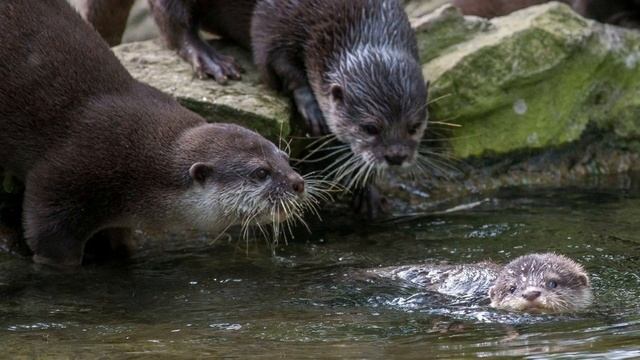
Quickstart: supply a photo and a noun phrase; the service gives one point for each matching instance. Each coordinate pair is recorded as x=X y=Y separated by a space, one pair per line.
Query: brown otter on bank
x=535 y=283
x=351 y=67
x=100 y=153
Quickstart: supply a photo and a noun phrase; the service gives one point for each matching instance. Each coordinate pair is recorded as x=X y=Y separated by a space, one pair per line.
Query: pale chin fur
x=203 y=209
x=213 y=208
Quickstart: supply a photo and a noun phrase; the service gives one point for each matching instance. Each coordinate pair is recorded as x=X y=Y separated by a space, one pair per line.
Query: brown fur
x=99 y=152
x=108 y=17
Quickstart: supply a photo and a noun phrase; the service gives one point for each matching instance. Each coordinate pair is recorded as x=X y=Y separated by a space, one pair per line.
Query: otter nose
x=395 y=159
x=297 y=183
x=531 y=295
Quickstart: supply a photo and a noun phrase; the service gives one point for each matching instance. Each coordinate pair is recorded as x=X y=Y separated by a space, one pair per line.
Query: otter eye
x=414 y=129
x=261 y=174
x=552 y=284
x=512 y=289
x=370 y=129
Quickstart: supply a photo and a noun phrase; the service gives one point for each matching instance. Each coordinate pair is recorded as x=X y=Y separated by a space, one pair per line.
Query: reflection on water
x=184 y=297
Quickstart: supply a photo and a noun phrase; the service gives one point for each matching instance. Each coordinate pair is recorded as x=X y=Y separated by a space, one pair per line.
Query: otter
x=108 y=17
x=624 y=13
x=351 y=67
x=534 y=283
x=100 y=153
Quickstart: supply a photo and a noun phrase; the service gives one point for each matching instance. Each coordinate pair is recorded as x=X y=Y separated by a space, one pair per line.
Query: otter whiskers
x=276 y=215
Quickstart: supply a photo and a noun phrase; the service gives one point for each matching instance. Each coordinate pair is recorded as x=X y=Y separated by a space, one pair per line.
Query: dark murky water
x=186 y=298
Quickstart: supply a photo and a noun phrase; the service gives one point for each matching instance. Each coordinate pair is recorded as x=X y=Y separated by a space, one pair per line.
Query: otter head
x=376 y=101
x=542 y=283
x=237 y=176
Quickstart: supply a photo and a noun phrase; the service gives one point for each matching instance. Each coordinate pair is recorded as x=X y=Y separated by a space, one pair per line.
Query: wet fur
x=100 y=152
x=532 y=273
x=525 y=274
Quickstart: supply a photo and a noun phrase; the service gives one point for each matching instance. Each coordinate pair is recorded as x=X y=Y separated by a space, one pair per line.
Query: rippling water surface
x=184 y=297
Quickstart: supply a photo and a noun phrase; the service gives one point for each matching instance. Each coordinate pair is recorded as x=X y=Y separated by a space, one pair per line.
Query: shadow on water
x=183 y=297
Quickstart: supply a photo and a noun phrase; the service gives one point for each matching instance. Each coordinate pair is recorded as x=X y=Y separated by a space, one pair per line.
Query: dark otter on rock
x=100 y=153
x=535 y=283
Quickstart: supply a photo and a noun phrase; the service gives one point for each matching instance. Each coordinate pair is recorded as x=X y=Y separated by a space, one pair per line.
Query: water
x=183 y=297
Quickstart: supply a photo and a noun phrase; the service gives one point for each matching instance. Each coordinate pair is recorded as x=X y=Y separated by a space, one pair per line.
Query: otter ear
x=337 y=93
x=200 y=172
x=584 y=280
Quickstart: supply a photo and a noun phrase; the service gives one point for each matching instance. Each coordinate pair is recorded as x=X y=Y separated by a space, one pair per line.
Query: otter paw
x=208 y=63
x=11 y=241
x=310 y=110
x=370 y=203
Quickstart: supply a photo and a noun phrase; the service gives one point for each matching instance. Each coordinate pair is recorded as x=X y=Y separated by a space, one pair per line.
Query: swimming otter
x=535 y=283
x=100 y=153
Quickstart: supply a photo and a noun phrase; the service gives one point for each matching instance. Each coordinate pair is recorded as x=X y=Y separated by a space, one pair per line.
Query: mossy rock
x=531 y=80
x=246 y=102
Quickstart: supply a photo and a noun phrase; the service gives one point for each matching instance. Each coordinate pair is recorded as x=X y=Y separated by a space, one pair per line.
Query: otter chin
x=542 y=283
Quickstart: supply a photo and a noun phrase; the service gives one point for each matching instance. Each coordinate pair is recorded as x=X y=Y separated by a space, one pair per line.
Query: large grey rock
x=531 y=80
x=245 y=102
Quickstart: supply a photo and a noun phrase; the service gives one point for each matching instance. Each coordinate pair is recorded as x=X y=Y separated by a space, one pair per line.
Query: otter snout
x=297 y=183
x=531 y=295
x=397 y=155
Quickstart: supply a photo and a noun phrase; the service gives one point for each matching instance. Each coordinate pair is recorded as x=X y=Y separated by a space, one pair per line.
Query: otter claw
x=310 y=111
x=207 y=63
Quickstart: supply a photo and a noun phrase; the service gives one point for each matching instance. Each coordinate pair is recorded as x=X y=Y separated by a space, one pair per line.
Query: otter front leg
x=108 y=17
x=56 y=220
x=11 y=237
x=295 y=81
x=369 y=202
x=109 y=244
x=178 y=21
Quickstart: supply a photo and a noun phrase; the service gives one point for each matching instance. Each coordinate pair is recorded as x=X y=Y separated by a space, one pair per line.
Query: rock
x=443 y=28
x=419 y=8
x=245 y=102
x=531 y=80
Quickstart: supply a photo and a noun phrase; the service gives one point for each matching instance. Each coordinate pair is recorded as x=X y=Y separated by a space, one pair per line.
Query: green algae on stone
x=444 y=27
x=244 y=102
x=535 y=79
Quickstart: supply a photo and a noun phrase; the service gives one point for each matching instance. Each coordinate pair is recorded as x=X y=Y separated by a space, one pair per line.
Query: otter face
x=377 y=103
x=244 y=179
x=542 y=283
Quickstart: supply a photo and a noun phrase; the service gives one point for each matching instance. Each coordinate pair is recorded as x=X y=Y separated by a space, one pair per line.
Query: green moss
x=271 y=128
x=448 y=28
x=540 y=87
